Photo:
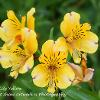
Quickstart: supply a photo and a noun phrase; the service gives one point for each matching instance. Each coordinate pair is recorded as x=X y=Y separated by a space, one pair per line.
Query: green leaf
x=38 y=53
x=78 y=93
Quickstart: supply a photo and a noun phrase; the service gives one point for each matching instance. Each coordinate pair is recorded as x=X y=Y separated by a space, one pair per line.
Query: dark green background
x=49 y=13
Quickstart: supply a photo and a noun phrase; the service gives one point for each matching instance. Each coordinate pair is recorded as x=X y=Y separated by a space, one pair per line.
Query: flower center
x=18 y=39
x=77 y=32
x=54 y=60
x=52 y=68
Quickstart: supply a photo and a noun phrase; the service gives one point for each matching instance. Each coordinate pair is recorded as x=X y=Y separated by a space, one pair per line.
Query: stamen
x=64 y=59
x=58 y=53
x=45 y=56
x=34 y=77
x=29 y=30
x=95 y=42
x=81 y=25
x=28 y=68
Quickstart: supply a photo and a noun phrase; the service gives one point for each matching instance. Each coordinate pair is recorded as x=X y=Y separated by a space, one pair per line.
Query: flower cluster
x=54 y=71
x=18 y=49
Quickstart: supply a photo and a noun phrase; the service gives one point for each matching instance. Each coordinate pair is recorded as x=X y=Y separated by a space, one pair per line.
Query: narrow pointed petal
x=29 y=41
x=31 y=19
x=23 y=21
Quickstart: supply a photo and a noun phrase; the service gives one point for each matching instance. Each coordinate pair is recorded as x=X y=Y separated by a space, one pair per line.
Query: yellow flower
x=19 y=57
x=11 y=30
x=53 y=72
x=14 y=33
x=78 y=36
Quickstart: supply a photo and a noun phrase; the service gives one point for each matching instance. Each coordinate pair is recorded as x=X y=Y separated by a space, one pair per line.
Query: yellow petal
x=85 y=26
x=60 y=45
x=70 y=48
x=30 y=41
x=51 y=49
x=47 y=49
x=14 y=74
x=23 y=21
x=65 y=76
x=70 y=21
x=4 y=35
x=12 y=24
x=11 y=15
x=12 y=56
x=47 y=46
x=7 y=59
x=31 y=19
x=28 y=65
x=51 y=89
x=9 y=38
x=88 y=44
x=40 y=75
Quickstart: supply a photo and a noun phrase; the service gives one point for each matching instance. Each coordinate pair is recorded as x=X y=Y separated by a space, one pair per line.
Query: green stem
x=9 y=91
x=39 y=52
x=51 y=34
x=59 y=97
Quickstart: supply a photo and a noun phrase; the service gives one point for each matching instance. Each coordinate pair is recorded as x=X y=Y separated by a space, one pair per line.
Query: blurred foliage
x=49 y=14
